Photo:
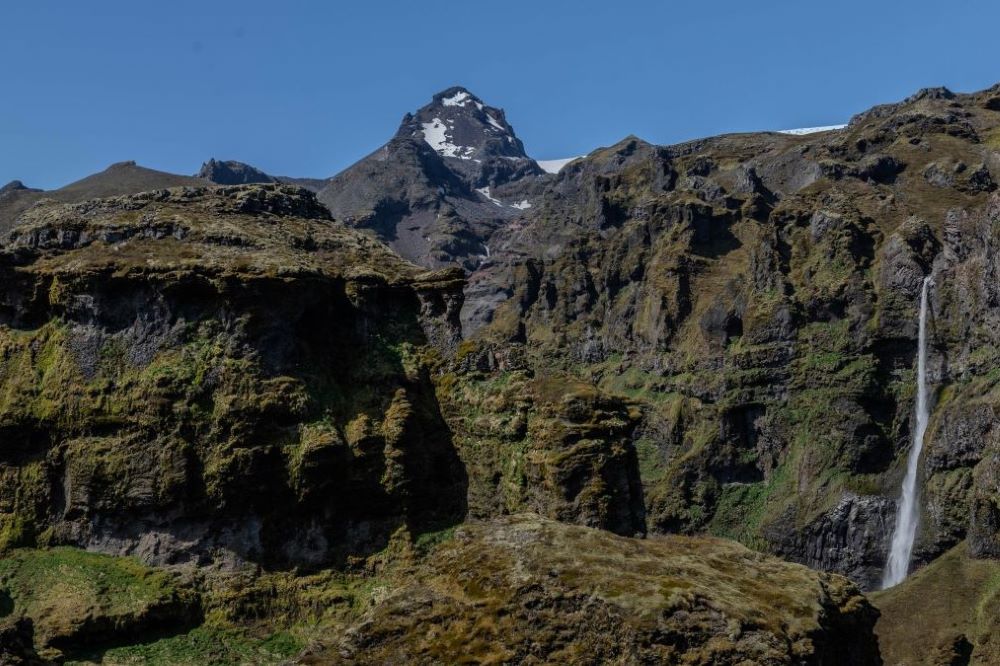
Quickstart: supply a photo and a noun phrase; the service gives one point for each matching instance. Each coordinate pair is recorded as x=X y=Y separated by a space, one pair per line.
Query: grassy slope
x=953 y=596
x=528 y=590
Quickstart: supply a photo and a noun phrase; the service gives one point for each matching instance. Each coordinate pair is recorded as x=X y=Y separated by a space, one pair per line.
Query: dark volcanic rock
x=849 y=539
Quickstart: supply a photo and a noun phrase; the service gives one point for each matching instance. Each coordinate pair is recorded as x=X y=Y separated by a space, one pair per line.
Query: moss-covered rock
x=184 y=373
x=946 y=613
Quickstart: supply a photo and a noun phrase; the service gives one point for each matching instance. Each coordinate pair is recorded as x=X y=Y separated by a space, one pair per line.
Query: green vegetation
x=211 y=647
x=76 y=598
x=953 y=599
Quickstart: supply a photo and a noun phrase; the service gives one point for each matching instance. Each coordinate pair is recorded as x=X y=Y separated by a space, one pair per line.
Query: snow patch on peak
x=461 y=98
x=555 y=166
x=493 y=121
x=436 y=135
x=524 y=204
x=811 y=130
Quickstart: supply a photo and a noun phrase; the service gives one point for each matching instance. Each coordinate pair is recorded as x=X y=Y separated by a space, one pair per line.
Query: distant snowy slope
x=553 y=166
x=809 y=130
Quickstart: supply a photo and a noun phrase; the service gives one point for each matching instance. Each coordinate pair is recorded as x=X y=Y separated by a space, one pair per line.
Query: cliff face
x=199 y=375
x=277 y=414
x=227 y=375
x=756 y=297
x=542 y=442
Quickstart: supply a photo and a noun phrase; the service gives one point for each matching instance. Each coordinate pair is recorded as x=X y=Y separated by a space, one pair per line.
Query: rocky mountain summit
x=454 y=173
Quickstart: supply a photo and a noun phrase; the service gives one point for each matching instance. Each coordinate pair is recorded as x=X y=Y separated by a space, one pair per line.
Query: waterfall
x=908 y=512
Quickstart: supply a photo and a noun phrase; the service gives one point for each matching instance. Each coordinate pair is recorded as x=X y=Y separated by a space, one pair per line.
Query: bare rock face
x=850 y=539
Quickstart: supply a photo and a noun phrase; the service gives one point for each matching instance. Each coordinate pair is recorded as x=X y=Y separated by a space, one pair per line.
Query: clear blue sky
x=304 y=88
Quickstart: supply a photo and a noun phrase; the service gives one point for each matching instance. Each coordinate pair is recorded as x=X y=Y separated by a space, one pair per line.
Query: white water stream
x=908 y=512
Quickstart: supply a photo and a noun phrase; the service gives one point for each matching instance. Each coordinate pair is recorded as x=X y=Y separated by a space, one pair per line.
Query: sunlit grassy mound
x=528 y=590
x=946 y=613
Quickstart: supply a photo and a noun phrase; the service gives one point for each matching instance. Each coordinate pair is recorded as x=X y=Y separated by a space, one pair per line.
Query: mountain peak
x=12 y=186
x=458 y=124
x=457 y=96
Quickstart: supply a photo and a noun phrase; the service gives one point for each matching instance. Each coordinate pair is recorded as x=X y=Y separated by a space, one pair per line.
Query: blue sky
x=305 y=88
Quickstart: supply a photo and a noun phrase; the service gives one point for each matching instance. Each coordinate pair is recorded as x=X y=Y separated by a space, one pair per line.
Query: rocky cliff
x=277 y=417
x=219 y=375
x=755 y=296
x=288 y=419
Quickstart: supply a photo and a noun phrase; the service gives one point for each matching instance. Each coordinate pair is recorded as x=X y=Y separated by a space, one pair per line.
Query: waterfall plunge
x=908 y=513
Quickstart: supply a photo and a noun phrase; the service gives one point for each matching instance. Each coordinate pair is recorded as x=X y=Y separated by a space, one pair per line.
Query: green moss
x=652 y=465
x=74 y=597
x=204 y=645
x=15 y=531
x=742 y=509
x=427 y=541
x=60 y=577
